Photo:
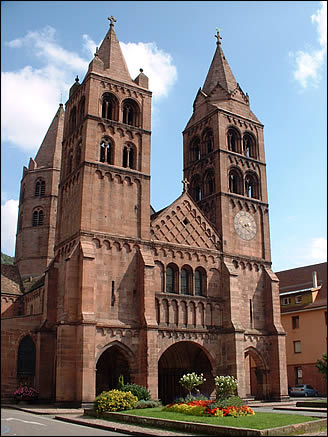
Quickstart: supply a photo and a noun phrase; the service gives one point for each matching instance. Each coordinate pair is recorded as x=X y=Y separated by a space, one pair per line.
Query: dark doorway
x=112 y=363
x=183 y=357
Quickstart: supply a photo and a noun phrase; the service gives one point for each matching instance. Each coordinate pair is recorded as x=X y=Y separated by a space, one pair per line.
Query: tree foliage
x=321 y=365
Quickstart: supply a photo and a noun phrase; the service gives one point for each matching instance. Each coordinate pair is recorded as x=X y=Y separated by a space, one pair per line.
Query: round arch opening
x=112 y=363
x=256 y=375
x=178 y=359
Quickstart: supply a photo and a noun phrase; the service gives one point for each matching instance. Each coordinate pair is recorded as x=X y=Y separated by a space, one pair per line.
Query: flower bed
x=208 y=408
x=26 y=393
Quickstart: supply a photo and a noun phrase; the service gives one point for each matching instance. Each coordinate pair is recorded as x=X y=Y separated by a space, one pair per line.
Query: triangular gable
x=183 y=223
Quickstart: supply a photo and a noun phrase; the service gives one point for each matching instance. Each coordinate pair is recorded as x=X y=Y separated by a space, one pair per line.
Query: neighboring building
x=119 y=289
x=303 y=299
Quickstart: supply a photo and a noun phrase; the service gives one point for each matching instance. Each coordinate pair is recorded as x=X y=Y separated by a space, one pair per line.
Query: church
x=105 y=286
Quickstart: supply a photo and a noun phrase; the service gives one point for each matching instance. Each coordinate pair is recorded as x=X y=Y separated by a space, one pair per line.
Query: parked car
x=303 y=390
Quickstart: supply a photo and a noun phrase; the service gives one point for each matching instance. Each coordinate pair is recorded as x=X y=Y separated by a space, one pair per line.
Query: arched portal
x=256 y=374
x=112 y=363
x=178 y=359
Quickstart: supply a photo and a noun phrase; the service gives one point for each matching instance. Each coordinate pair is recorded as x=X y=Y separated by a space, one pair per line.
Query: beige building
x=116 y=288
x=303 y=300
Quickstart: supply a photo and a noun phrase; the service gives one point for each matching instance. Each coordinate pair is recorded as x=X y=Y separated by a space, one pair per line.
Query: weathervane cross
x=217 y=36
x=112 y=20
x=185 y=184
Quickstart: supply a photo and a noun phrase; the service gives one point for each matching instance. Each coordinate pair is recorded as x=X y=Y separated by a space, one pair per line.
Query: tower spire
x=219 y=72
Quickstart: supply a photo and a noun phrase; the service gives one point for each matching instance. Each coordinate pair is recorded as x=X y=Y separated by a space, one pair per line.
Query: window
x=26 y=357
x=200 y=282
x=208 y=140
x=81 y=108
x=285 y=301
x=209 y=182
x=251 y=186
x=295 y=322
x=38 y=217
x=249 y=148
x=233 y=139
x=235 y=181
x=130 y=112
x=110 y=107
x=40 y=188
x=72 y=120
x=298 y=375
x=196 y=188
x=251 y=312
x=195 y=149
x=297 y=347
x=106 y=151
x=170 y=286
x=128 y=157
x=184 y=281
x=298 y=299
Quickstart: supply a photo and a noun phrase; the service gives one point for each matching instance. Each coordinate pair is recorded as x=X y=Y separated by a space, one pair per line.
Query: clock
x=245 y=225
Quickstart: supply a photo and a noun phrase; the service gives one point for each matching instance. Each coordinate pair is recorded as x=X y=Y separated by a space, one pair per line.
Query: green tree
x=321 y=365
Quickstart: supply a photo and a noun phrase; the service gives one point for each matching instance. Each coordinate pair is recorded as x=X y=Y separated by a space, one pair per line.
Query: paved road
x=21 y=423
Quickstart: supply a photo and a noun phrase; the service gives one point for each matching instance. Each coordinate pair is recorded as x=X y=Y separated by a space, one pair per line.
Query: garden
x=227 y=409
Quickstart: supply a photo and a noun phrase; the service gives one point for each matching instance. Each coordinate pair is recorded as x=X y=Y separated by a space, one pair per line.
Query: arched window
x=26 y=357
x=200 y=280
x=171 y=279
x=249 y=146
x=128 y=160
x=233 y=139
x=130 y=112
x=38 y=217
x=185 y=281
x=109 y=107
x=72 y=120
x=251 y=186
x=195 y=149
x=40 y=188
x=78 y=154
x=235 y=182
x=106 y=151
x=208 y=140
x=81 y=109
x=196 y=188
x=209 y=182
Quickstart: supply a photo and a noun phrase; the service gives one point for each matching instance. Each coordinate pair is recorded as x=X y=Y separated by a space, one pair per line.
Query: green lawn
x=259 y=421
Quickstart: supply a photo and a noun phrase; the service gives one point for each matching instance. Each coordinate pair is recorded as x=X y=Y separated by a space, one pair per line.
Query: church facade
x=110 y=287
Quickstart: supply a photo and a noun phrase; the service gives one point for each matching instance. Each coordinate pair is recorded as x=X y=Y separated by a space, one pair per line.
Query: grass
x=259 y=421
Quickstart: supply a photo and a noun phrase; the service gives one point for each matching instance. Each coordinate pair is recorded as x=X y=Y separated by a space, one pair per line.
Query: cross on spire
x=112 y=20
x=185 y=184
x=217 y=36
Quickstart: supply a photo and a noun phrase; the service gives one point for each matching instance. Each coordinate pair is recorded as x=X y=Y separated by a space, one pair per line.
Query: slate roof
x=11 y=282
x=299 y=279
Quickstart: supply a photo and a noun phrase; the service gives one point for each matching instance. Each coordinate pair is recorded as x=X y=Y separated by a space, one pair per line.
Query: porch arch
x=114 y=360
x=178 y=359
x=256 y=373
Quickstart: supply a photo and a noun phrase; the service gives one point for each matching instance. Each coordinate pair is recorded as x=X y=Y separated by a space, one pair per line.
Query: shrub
x=225 y=386
x=138 y=390
x=189 y=381
x=190 y=398
x=231 y=401
x=114 y=400
x=26 y=393
x=148 y=404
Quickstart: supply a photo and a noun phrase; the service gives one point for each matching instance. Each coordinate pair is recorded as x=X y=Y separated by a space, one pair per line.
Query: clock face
x=245 y=225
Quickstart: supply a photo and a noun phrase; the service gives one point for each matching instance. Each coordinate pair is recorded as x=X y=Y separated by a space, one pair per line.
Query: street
x=20 y=423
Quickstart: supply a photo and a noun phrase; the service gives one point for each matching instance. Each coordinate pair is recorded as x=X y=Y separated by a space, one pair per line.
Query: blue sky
x=276 y=50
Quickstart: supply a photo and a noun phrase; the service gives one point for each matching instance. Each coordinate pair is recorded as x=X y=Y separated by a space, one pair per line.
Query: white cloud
x=9 y=213
x=157 y=65
x=47 y=86
x=309 y=63
x=318 y=249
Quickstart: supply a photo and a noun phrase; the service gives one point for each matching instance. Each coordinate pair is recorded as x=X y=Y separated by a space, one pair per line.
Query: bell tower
x=224 y=162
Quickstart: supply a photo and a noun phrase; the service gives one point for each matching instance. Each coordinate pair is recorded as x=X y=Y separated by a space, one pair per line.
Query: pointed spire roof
x=49 y=153
x=111 y=55
x=219 y=72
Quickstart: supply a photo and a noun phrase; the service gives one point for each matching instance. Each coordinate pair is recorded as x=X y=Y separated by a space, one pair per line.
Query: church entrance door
x=112 y=363
x=178 y=359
